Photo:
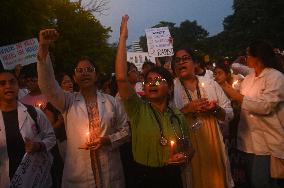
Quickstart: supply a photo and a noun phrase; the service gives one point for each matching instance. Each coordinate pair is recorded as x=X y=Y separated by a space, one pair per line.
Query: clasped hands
x=200 y=105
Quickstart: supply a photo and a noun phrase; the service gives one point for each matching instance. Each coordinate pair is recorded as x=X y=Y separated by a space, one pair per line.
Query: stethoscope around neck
x=163 y=140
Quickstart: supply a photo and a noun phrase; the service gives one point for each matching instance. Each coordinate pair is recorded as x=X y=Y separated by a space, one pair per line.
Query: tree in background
x=80 y=32
x=251 y=20
x=95 y=6
x=20 y=20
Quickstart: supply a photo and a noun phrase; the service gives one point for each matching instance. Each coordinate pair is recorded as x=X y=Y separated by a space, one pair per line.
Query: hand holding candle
x=172 y=148
x=87 y=137
x=234 y=84
x=40 y=105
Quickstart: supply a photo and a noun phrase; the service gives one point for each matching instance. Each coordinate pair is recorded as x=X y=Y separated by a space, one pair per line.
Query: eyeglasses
x=183 y=59
x=157 y=81
x=85 y=70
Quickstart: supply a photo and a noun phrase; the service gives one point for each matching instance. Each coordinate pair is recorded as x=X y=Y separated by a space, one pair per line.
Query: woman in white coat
x=87 y=111
x=19 y=133
x=261 y=130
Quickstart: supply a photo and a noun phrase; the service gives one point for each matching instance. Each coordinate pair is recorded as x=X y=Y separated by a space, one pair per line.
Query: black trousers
x=156 y=177
x=258 y=171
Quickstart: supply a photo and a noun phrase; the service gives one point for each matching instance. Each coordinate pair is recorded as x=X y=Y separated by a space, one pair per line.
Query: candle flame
x=39 y=104
x=172 y=142
x=234 y=83
x=202 y=84
x=87 y=133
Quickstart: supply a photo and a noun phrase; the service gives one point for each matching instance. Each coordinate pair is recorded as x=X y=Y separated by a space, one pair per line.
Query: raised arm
x=46 y=79
x=124 y=88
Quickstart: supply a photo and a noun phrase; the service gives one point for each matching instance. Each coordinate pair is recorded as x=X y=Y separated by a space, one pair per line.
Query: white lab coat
x=261 y=130
x=77 y=169
x=27 y=129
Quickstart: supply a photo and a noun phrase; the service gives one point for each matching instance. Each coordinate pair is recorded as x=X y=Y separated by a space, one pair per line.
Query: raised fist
x=47 y=36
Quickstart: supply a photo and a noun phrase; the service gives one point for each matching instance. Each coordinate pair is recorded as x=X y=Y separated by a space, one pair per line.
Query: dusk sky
x=146 y=13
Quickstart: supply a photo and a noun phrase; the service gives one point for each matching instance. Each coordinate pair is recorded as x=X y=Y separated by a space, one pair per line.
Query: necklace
x=198 y=123
x=188 y=94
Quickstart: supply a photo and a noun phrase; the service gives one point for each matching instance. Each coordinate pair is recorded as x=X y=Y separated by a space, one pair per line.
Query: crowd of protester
x=175 y=123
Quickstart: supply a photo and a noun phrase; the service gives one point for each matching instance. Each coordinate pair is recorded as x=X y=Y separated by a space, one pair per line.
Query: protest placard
x=159 y=42
x=23 y=53
x=33 y=171
x=138 y=58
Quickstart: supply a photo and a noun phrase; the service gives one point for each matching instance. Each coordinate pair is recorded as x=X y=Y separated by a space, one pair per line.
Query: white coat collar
x=22 y=114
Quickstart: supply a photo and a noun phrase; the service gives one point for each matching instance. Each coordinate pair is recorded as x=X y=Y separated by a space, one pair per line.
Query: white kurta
x=212 y=91
x=260 y=130
x=77 y=169
x=27 y=130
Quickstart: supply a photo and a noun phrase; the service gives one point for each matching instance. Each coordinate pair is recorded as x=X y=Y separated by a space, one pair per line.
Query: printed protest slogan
x=33 y=171
x=159 y=42
x=23 y=53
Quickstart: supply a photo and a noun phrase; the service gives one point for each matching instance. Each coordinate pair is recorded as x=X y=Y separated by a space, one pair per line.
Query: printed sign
x=20 y=53
x=159 y=42
x=33 y=171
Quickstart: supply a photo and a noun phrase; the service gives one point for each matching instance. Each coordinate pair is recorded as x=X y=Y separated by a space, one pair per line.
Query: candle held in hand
x=234 y=84
x=172 y=148
x=87 y=137
x=38 y=104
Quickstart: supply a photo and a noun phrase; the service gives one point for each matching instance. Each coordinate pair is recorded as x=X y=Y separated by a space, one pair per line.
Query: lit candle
x=202 y=84
x=172 y=148
x=235 y=83
x=39 y=104
x=87 y=137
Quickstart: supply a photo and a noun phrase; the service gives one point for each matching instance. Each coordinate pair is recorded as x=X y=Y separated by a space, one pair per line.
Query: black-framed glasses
x=183 y=59
x=157 y=81
x=85 y=70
